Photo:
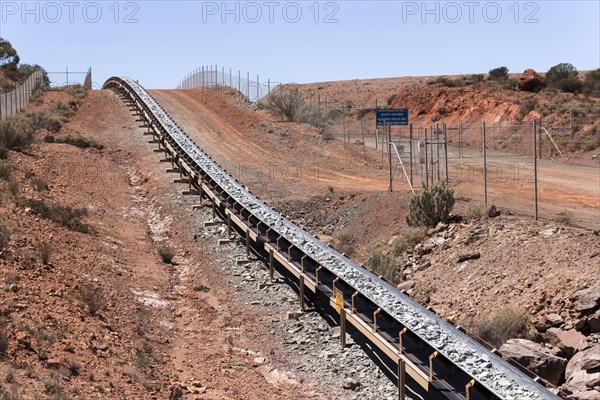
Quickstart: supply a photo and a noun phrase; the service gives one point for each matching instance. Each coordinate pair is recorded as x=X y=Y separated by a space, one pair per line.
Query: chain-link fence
x=214 y=76
x=513 y=166
x=505 y=164
x=16 y=100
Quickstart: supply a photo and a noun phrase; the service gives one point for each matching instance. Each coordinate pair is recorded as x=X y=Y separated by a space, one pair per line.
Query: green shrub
x=408 y=239
x=571 y=85
x=66 y=216
x=591 y=83
x=386 y=266
x=15 y=134
x=447 y=82
x=527 y=105
x=499 y=74
x=560 y=72
x=511 y=83
x=79 y=141
x=496 y=329
x=430 y=206
x=79 y=92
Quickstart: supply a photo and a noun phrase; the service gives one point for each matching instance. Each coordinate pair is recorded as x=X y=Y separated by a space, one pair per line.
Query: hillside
x=436 y=100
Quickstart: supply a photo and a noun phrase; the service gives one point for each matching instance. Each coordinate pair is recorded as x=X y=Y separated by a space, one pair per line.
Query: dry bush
x=386 y=266
x=13 y=188
x=506 y=323
x=344 y=241
x=45 y=250
x=39 y=184
x=285 y=100
x=16 y=133
x=92 y=298
x=3 y=342
x=12 y=394
x=5 y=234
x=477 y=211
x=79 y=92
x=408 y=239
x=79 y=141
x=430 y=206
x=5 y=170
x=64 y=215
x=144 y=357
x=166 y=253
x=564 y=217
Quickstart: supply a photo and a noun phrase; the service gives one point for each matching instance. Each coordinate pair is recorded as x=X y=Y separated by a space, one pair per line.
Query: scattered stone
x=24 y=340
x=554 y=320
x=593 y=323
x=583 y=373
x=468 y=256
x=438 y=228
x=351 y=384
x=587 y=300
x=406 y=285
x=536 y=358
x=568 y=341
x=293 y=315
x=549 y=232
x=259 y=361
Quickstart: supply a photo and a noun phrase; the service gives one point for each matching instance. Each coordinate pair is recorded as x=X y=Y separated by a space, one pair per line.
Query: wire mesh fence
x=512 y=166
x=214 y=76
x=16 y=100
x=505 y=164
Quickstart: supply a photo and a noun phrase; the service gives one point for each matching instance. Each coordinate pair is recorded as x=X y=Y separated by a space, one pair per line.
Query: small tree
x=499 y=74
x=560 y=72
x=591 y=83
x=8 y=54
x=431 y=206
x=285 y=100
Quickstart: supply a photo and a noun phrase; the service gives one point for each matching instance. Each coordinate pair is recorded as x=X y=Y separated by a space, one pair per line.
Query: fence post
x=485 y=195
x=410 y=146
x=390 y=156
x=540 y=153
x=446 y=152
x=535 y=172
x=426 y=162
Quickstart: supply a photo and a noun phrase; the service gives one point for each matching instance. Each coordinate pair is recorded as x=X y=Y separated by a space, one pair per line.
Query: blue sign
x=392 y=116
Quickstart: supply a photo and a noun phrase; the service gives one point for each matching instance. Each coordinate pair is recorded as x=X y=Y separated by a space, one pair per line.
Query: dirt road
x=284 y=166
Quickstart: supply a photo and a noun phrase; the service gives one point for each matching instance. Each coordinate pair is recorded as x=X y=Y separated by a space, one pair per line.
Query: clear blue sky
x=157 y=42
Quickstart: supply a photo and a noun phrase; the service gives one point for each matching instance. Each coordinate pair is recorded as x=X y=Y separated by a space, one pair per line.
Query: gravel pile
x=488 y=369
